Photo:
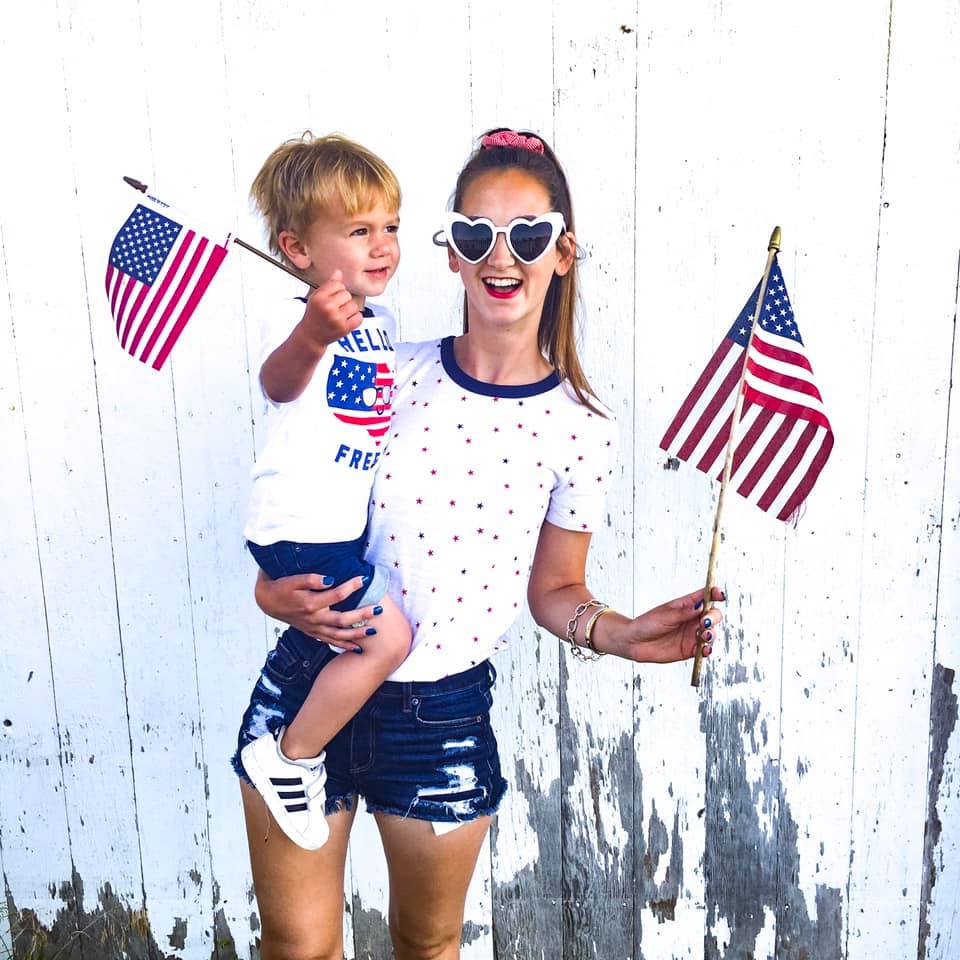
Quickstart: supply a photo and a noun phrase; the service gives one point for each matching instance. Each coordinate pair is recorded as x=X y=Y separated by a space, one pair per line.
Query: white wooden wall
x=806 y=803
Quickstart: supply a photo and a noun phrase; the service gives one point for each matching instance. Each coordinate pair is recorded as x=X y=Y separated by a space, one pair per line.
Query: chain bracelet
x=572 y=623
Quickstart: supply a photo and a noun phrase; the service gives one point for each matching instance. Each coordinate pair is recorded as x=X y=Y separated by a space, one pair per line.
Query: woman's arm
x=662 y=635
x=304 y=602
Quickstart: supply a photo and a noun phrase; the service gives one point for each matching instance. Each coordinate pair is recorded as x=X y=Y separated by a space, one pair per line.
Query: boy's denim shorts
x=422 y=749
x=342 y=561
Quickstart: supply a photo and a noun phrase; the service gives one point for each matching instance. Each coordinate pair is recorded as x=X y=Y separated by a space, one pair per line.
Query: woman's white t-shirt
x=470 y=473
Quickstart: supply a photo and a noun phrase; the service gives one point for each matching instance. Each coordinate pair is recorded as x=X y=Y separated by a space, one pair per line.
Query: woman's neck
x=500 y=357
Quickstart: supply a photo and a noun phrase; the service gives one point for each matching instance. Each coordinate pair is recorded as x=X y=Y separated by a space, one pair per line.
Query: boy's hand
x=331 y=312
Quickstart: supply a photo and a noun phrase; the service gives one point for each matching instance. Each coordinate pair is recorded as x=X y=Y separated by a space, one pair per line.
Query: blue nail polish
x=328 y=581
x=357 y=650
x=707 y=623
x=365 y=580
x=698 y=605
x=370 y=631
x=377 y=611
x=708 y=637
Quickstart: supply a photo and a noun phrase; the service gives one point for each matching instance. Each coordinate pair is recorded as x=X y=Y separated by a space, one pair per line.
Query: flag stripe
x=783 y=380
x=158 y=295
x=714 y=364
x=749 y=438
x=780 y=353
x=727 y=387
x=134 y=310
x=785 y=406
x=765 y=459
x=209 y=271
x=127 y=290
x=174 y=300
x=787 y=467
x=809 y=479
x=720 y=440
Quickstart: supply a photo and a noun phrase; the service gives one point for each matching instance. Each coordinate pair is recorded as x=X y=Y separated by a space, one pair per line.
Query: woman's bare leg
x=429 y=877
x=346 y=683
x=299 y=892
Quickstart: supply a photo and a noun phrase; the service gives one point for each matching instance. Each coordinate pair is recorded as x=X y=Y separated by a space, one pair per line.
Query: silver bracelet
x=572 y=623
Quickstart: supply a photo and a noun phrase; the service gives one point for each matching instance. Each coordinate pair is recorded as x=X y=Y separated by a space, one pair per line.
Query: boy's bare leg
x=345 y=685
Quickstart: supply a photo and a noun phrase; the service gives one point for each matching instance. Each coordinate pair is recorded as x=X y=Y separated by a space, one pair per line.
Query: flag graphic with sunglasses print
x=784 y=437
x=361 y=393
x=158 y=271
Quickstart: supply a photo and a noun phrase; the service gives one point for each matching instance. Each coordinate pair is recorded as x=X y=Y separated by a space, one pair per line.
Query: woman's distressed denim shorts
x=422 y=749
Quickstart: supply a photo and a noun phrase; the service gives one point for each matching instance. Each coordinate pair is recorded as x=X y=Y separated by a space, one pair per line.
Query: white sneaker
x=293 y=789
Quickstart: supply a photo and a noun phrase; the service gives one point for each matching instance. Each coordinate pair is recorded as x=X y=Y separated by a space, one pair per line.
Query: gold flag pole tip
x=774 y=240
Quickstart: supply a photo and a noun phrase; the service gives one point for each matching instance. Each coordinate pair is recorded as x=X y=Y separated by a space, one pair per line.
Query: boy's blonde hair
x=307 y=177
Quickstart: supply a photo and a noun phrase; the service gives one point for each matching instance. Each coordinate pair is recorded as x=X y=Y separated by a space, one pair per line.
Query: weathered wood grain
x=831 y=277
x=594 y=70
x=62 y=433
x=939 y=916
x=912 y=331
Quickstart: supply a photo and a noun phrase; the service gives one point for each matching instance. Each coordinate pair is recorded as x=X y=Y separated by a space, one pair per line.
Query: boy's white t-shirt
x=472 y=472
x=312 y=479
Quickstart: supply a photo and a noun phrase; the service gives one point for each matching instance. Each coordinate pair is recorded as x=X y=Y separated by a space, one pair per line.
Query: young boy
x=332 y=211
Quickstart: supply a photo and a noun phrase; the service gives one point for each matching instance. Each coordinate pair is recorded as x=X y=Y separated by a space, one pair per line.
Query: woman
x=493 y=480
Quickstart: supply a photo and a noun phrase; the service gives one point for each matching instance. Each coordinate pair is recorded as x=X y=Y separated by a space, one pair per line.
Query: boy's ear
x=293 y=249
x=452 y=260
x=567 y=246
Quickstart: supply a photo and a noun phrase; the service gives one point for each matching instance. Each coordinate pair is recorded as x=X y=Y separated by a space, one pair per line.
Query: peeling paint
x=371 y=935
x=527 y=914
x=178 y=936
x=659 y=895
x=111 y=928
x=943 y=721
x=751 y=871
x=224 y=946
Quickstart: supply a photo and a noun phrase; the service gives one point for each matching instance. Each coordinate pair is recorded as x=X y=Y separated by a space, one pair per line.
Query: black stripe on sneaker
x=291 y=795
x=296 y=807
x=287 y=781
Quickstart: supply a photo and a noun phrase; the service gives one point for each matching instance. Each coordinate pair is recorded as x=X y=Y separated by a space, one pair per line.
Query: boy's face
x=363 y=247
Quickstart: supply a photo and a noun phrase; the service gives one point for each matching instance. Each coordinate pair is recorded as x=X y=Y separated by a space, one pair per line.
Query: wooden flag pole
x=142 y=187
x=772 y=250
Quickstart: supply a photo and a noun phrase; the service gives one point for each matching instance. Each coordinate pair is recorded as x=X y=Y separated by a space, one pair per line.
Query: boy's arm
x=331 y=313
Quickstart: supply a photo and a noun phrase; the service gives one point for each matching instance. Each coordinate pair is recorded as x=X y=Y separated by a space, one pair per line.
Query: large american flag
x=361 y=393
x=784 y=437
x=159 y=270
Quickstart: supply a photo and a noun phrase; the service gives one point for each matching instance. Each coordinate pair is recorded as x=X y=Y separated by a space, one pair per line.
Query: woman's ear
x=567 y=246
x=452 y=260
x=293 y=249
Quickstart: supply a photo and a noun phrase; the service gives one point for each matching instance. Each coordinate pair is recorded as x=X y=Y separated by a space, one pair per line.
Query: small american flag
x=784 y=434
x=158 y=271
x=361 y=393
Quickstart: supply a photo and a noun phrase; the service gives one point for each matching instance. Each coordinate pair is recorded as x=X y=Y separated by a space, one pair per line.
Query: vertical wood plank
x=830 y=252
x=912 y=331
x=939 y=917
x=34 y=832
x=595 y=81
x=676 y=320
x=62 y=431
x=512 y=85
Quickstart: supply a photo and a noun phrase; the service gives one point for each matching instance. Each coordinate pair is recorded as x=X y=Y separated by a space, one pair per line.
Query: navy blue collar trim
x=463 y=379
x=366 y=313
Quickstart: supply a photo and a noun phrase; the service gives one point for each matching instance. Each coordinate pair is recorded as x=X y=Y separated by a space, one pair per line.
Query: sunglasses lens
x=471 y=240
x=529 y=240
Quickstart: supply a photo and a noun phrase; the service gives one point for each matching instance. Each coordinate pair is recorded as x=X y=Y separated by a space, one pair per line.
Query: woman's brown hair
x=557 y=332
